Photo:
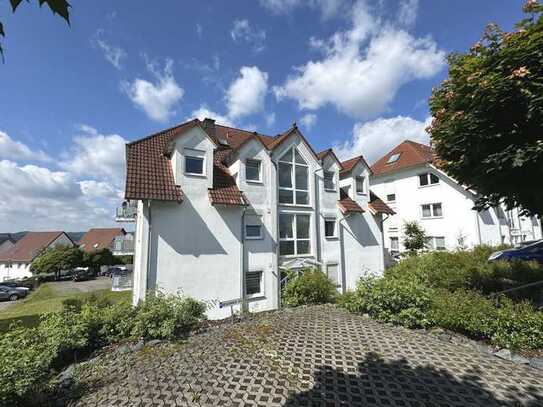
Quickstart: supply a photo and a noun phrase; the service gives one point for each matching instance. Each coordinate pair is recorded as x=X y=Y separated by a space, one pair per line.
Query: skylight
x=393 y=158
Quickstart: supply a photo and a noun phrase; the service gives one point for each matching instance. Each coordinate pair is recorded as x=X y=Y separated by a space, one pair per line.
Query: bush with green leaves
x=309 y=286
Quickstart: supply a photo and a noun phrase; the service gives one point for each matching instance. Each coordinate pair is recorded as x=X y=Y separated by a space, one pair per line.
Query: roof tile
x=411 y=154
x=30 y=246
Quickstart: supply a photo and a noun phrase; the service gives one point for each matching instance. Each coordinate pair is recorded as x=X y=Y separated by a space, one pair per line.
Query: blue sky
x=352 y=74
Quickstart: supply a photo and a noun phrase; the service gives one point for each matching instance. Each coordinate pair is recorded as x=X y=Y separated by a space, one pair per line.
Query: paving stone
x=310 y=356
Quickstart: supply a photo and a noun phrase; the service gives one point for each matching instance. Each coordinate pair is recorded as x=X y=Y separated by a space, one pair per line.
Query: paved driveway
x=319 y=356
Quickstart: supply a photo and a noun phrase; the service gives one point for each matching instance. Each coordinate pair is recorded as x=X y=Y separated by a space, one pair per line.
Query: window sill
x=253 y=238
x=294 y=256
x=331 y=237
x=361 y=193
x=330 y=190
x=429 y=185
x=254 y=181
x=192 y=174
x=295 y=205
x=431 y=217
x=255 y=297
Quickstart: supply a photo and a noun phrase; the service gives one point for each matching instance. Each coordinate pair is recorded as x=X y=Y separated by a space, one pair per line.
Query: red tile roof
x=347 y=205
x=326 y=152
x=411 y=154
x=347 y=166
x=98 y=239
x=30 y=246
x=225 y=190
x=376 y=205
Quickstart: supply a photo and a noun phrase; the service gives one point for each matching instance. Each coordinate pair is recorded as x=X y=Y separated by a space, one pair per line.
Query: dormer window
x=428 y=179
x=393 y=158
x=253 y=170
x=360 y=185
x=194 y=162
x=329 y=182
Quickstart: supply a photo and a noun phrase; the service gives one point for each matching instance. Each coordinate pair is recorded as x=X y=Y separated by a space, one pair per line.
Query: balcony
x=123 y=246
x=126 y=212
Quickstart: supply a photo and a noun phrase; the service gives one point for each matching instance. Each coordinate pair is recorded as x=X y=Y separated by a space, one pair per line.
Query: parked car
x=115 y=271
x=15 y=284
x=532 y=251
x=82 y=274
x=525 y=243
x=11 y=294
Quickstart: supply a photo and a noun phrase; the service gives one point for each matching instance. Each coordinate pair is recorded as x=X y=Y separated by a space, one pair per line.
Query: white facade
x=452 y=223
x=219 y=253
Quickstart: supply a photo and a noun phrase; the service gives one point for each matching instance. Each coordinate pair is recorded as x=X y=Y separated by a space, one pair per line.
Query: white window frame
x=428 y=179
x=397 y=249
x=432 y=211
x=336 y=264
x=432 y=243
x=330 y=219
x=259 y=237
x=256 y=181
x=334 y=183
x=262 y=291
x=294 y=187
x=190 y=153
x=391 y=201
x=294 y=237
x=363 y=192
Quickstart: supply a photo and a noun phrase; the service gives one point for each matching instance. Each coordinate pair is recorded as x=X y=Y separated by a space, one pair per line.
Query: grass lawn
x=47 y=299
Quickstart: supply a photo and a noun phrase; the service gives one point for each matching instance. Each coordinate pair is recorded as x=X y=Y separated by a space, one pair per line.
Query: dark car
x=11 y=294
x=532 y=251
x=82 y=274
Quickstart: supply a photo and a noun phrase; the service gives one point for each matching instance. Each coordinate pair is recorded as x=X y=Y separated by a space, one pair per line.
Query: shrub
x=399 y=301
x=350 y=301
x=310 y=286
x=166 y=316
x=518 y=326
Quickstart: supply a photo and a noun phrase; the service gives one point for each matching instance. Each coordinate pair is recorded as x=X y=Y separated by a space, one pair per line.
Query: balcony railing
x=126 y=213
x=123 y=247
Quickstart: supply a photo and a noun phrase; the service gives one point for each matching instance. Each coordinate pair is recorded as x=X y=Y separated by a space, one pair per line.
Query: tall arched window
x=293 y=179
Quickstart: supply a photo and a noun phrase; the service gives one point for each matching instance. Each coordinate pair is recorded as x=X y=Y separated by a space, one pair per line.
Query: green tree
x=99 y=258
x=57 y=259
x=488 y=116
x=415 y=239
x=60 y=7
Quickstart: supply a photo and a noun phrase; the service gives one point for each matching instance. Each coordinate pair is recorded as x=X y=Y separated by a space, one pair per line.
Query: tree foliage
x=415 y=238
x=488 y=115
x=60 y=7
x=56 y=259
x=99 y=258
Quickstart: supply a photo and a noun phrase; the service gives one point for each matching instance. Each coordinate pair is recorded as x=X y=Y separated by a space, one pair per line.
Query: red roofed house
x=418 y=190
x=114 y=239
x=16 y=261
x=222 y=212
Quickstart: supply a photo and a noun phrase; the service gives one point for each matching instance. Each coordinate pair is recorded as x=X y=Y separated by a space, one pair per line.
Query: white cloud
x=247 y=94
x=327 y=8
x=243 y=31
x=114 y=55
x=204 y=112
x=363 y=68
x=270 y=119
x=157 y=99
x=375 y=138
x=199 y=30
x=15 y=150
x=407 y=12
x=308 y=120
x=100 y=189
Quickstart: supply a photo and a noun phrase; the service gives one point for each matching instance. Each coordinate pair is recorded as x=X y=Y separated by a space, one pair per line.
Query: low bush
x=28 y=355
x=310 y=286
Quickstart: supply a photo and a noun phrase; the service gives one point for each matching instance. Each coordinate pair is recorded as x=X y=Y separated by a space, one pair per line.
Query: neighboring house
x=15 y=262
x=115 y=239
x=6 y=242
x=222 y=212
x=419 y=191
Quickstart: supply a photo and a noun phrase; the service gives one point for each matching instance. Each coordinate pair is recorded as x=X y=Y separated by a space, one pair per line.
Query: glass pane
x=286 y=248
x=194 y=165
x=391 y=197
x=440 y=242
x=329 y=228
x=434 y=179
x=298 y=158
x=286 y=196
x=302 y=246
x=426 y=213
x=302 y=226
x=252 y=170
x=252 y=230
x=394 y=243
x=285 y=226
x=285 y=175
x=252 y=282
x=287 y=156
x=423 y=179
x=437 y=210
x=360 y=185
x=302 y=198
x=301 y=178
x=328 y=180
x=332 y=273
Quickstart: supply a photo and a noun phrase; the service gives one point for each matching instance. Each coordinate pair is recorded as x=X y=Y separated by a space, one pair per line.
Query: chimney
x=209 y=125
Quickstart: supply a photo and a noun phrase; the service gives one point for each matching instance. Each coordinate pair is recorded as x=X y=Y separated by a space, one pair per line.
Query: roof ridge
x=159 y=133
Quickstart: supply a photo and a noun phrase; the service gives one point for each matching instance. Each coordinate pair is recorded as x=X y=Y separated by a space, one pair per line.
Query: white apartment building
x=419 y=191
x=222 y=212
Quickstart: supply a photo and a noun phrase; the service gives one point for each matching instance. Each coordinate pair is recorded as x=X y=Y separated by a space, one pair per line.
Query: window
x=253 y=284
x=329 y=183
x=330 y=228
x=428 y=179
x=433 y=210
x=394 y=245
x=332 y=271
x=294 y=234
x=194 y=162
x=391 y=198
x=359 y=185
x=393 y=158
x=252 y=170
x=436 y=243
x=253 y=232
x=293 y=179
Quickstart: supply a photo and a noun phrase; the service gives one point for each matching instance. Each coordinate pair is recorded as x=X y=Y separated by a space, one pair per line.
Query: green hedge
x=309 y=286
x=28 y=355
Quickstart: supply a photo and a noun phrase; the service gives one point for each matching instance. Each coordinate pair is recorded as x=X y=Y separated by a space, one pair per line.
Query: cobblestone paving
x=317 y=356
